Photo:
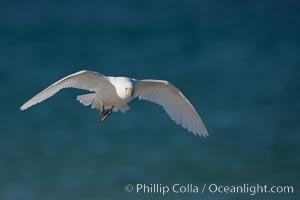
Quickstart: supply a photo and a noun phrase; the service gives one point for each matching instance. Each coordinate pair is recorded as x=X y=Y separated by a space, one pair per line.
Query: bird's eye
x=126 y=88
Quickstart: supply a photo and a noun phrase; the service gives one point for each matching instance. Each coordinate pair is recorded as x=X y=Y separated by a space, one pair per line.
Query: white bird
x=113 y=93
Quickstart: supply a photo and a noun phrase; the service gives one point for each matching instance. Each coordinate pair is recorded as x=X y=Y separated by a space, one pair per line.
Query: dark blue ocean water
x=236 y=61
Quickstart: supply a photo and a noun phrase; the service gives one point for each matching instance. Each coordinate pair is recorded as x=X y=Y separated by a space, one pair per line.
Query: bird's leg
x=102 y=112
x=105 y=113
x=109 y=111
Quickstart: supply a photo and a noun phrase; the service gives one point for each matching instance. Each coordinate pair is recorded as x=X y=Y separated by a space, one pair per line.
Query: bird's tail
x=87 y=99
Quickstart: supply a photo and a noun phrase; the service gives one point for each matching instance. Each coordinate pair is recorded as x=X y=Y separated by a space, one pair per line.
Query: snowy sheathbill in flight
x=113 y=93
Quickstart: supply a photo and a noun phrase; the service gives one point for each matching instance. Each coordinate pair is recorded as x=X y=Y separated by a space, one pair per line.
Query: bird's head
x=125 y=87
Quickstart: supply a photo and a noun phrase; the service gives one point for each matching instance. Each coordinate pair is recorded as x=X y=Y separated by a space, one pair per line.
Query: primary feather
x=85 y=80
x=174 y=102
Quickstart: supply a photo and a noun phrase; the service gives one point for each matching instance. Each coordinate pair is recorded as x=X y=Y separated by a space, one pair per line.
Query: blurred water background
x=237 y=62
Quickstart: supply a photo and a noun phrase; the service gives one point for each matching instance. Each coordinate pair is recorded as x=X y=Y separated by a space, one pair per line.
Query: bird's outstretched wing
x=174 y=102
x=86 y=80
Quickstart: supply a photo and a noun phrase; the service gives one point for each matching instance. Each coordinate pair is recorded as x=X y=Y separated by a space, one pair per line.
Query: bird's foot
x=105 y=113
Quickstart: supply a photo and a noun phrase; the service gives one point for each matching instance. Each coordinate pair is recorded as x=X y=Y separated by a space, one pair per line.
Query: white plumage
x=113 y=94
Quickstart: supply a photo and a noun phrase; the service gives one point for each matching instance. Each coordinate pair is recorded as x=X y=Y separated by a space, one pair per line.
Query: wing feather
x=86 y=80
x=174 y=102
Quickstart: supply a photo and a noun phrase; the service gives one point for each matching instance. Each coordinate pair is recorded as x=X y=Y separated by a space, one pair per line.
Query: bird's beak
x=130 y=92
